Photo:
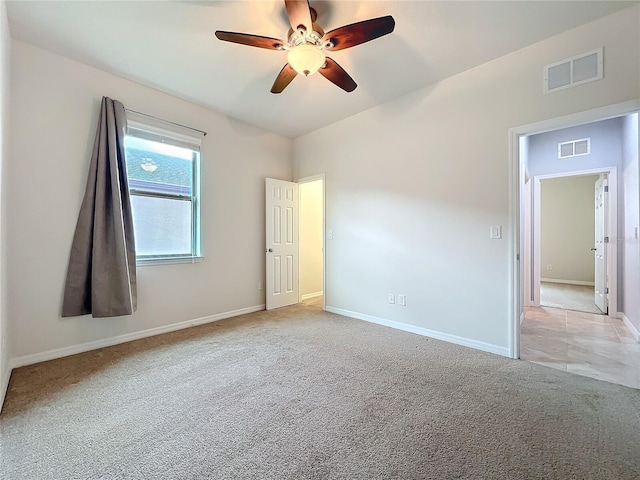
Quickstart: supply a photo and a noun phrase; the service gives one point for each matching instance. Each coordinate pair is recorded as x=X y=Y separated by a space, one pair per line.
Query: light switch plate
x=495 y=231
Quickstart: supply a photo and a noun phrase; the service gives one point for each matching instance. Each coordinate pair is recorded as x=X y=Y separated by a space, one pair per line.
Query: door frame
x=515 y=134
x=611 y=230
x=313 y=178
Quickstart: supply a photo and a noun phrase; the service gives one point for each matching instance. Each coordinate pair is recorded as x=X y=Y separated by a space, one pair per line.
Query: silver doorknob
x=593 y=249
x=270 y=250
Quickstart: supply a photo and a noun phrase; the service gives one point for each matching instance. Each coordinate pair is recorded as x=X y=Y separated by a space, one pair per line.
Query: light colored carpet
x=569 y=297
x=298 y=393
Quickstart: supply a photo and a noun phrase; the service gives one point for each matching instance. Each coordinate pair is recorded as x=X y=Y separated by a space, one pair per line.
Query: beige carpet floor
x=569 y=297
x=298 y=393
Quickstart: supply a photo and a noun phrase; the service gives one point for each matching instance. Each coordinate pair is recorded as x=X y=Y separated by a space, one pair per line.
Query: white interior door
x=601 y=195
x=281 y=199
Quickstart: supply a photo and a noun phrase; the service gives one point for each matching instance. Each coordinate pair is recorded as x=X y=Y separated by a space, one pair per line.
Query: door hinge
x=606 y=189
x=606 y=239
x=606 y=290
x=517 y=256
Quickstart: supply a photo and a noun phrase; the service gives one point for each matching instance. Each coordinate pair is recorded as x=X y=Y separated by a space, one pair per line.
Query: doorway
x=311 y=238
x=574 y=213
x=521 y=252
x=606 y=345
x=294 y=251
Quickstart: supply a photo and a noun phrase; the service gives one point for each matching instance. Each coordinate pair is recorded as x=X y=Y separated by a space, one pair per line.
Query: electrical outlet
x=402 y=299
x=330 y=234
x=549 y=267
x=259 y=285
x=392 y=298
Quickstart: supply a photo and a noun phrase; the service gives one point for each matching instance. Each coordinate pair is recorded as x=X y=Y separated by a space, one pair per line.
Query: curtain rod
x=167 y=121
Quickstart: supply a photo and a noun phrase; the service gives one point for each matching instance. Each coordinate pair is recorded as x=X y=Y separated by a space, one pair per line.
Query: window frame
x=146 y=129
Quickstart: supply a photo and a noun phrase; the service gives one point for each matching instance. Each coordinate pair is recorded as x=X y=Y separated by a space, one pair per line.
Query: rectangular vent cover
x=583 y=68
x=574 y=148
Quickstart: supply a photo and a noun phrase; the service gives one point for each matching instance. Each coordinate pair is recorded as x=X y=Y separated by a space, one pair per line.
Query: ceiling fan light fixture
x=306 y=59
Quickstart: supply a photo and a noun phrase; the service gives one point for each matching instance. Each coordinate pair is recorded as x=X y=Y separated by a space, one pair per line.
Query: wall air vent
x=583 y=68
x=574 y=148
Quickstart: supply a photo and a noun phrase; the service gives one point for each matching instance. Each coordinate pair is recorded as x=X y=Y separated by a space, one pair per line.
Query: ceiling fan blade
x=284 y=78
x=299 y=14
x=360 y=32
x=251 y=40
x=336 y=74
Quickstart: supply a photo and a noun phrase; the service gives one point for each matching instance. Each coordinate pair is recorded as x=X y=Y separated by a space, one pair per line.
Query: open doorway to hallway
x=550 y=329
x=567 y=243
x=312 y=240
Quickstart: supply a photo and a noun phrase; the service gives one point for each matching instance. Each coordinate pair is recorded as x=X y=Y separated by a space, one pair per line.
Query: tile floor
x=582 y=343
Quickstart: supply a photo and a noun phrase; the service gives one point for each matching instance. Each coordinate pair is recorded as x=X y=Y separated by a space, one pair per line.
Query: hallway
x=583 y=343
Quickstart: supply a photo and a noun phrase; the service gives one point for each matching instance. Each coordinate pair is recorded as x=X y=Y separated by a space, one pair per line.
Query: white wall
x=631 y=215
x=5 y=51
x=413 y=185
x=311 y=238
x=54 y=110
x=567 y=228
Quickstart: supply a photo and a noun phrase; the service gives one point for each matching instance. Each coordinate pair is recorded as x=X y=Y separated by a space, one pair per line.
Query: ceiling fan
x=307 y=43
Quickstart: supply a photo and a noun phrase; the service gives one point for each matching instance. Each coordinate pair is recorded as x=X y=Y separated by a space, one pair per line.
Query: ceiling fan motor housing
x=302 y=36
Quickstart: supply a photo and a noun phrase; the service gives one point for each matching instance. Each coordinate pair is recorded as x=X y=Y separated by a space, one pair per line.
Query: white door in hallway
x=601 y=194
x=281 y=199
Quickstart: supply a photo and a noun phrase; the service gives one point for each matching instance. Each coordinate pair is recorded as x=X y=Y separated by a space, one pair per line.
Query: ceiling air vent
x=574 y=148
x=583 y=68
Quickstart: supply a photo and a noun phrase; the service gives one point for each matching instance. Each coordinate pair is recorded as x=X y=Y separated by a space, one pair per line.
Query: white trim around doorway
x=611 y=231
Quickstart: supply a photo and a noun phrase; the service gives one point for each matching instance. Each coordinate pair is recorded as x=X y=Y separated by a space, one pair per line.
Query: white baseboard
x=4 y=384
x=307 y=296
x=466 y=342
x=567 y=282
x=128 y=337
x=632 y=328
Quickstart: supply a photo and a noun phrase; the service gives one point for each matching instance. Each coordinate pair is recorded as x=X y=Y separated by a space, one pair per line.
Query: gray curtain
x=101 y=277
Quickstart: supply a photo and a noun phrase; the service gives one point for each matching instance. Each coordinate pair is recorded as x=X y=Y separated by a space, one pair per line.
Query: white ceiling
x=170 y=45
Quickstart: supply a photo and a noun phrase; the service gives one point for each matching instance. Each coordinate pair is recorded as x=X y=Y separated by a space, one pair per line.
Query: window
x=163 y=169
